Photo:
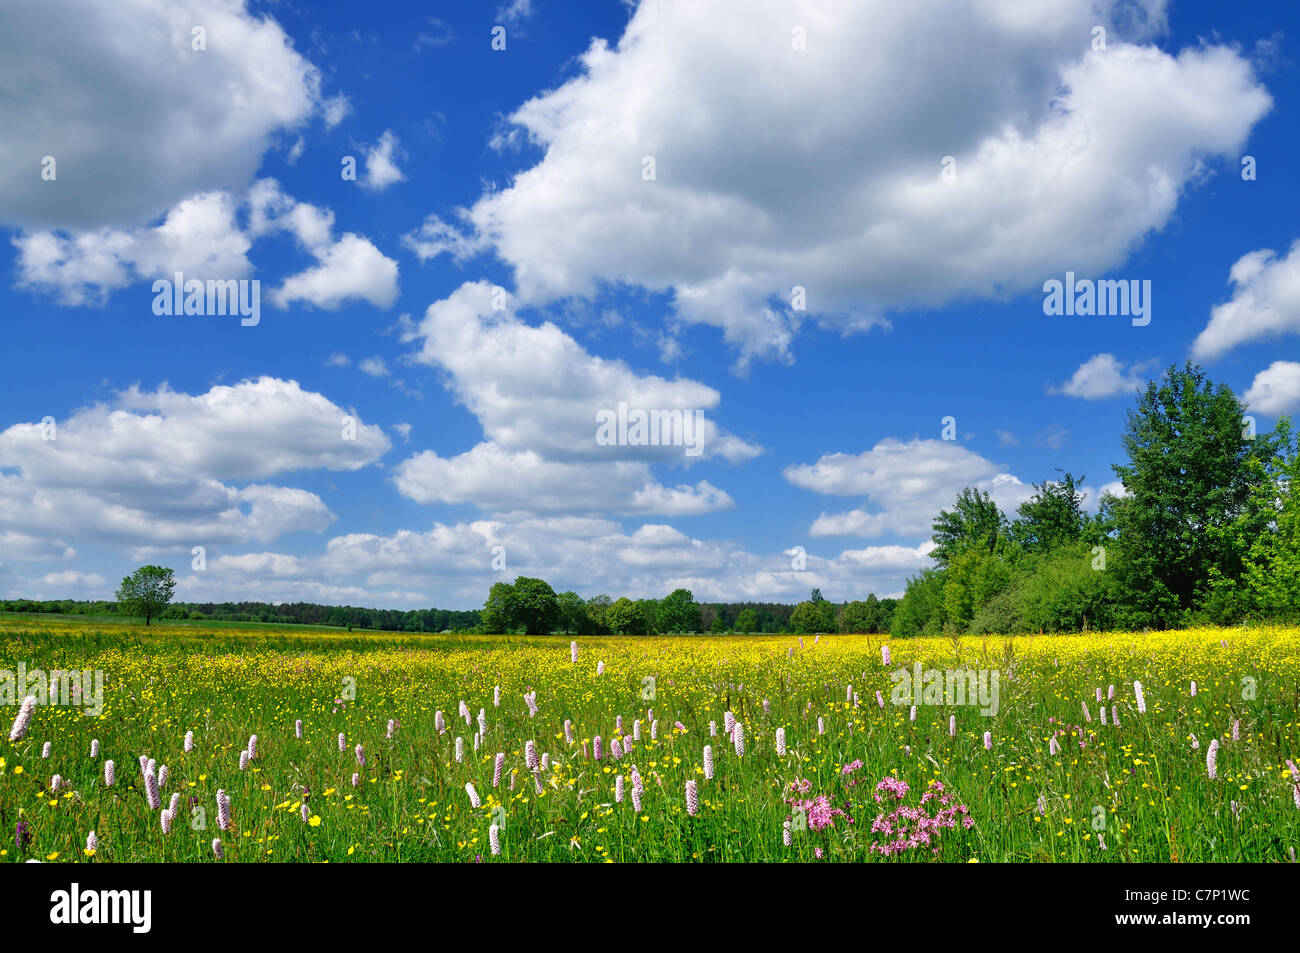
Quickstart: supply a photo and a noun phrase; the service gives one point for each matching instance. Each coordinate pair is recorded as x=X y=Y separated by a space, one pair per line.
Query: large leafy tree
x=973 y=524
x=1052 y=517
x=747 y=620
x=146 y=591
x=679 y=612
x=537 y=610
x=625 y=617
x=1191 y=474
x=810 y=617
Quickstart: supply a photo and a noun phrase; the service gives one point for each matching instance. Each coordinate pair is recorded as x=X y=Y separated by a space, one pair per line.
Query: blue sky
x=793 y=145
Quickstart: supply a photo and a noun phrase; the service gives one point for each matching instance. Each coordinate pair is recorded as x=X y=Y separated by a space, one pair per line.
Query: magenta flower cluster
x=910 y=828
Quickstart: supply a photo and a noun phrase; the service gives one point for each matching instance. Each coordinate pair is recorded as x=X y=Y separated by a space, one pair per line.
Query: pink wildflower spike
x=728 y=721
x=848 y=694
x=786 y=837
x=880 y=700
x=1195 y=743
x=23 y=719
x=573 y=651
x=356 y=780
x=496 y=696
x=361 y=755
x=1193 y=689
x=692 y=798
x=482 y=722
x=821 y=726
x=439 y=722
x=494 y=839
x=498 y=766
x=738 y=739
x=600 y=668
x=1101 y=841
x=392 y=728
x=217 y=850
x=654 y=730
x=243 y=760
x=911 y=716
x=165 y=818
x=297 y=728
x=568 y=731
x=618 y=789
x=252 y=747
x=1098 y=694
x=189 y=741
x=1114 y=715
x=45 y=750
x=952 y=726
x=1087 y=715
x=151 y=791
x=94 y=747
x=1042 y=801
x=597 y=748
x=305 y=813
x=472 y=795
x=1102 y=709
x=110 y=775
x=713 y=729
x=780 y=742
x=56 y=782
x=615 y=749
x=1053 y=747
x=708 y=762
x=884 y=655
x=530 y=755
x=1236 y=730
x=163 y=774
x=537 y=781
x=343 y=743
x=988 y=741
x=1212 y=759
x=460 y=749
x=92 y=842
x=223 y=810
x=636 y=799
x=1110 y=694
x=1141 y=699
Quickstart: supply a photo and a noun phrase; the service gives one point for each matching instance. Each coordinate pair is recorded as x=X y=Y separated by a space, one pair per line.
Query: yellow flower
x=315 y=820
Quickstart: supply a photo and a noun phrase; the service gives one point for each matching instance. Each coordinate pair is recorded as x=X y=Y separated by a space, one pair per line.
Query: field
x=866 y=781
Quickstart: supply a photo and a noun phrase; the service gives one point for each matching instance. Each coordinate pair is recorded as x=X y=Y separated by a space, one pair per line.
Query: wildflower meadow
x=222 y=745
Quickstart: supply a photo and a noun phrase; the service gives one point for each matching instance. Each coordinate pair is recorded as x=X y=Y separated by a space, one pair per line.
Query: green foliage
x=527 y=606
x=146 y=591
x=974 y=523
x=811 y=617
x=747 y=621
x=679 y=612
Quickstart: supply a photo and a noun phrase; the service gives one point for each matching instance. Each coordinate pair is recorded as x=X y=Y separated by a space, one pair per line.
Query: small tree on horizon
x=146 y=592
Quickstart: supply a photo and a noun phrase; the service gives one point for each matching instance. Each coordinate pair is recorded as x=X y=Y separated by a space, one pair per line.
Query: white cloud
x=907 y=483
x=20 y=546
x=136 y=120
x=1066 y=157
x=202 y=238
x=381 y=169
x=1276 y=389
x=374 y=367
x=156 y=467
x=1265 y=303
x=537 y=395
x=1101 y=376
x=514 y=12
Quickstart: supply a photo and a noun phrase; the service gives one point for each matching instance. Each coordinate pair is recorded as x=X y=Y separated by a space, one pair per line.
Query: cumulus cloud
x=202 y=238
x=1065 y=157
x=538 y=395
x=136 y=120
x=381 y=167
x=159 y=468
x=906 y=483
x=1276 y=389
x=1101 y=376
x=1265 y=303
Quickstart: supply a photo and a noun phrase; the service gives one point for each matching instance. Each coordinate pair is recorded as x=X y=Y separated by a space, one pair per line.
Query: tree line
x=1207 y=531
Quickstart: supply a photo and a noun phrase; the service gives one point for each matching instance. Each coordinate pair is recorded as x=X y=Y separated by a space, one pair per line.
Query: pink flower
x=23 y=719
x=692 y=798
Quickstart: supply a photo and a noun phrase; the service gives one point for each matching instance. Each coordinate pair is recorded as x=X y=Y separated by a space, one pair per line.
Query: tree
x=146 y=591
x=537 y=610
x=499 y=610
x=1191 y=474
x=573 y=614
x=974 y=523
x=812 y=617
x=1053 y=517
x=625 y=617
x=747 y=620
x=679 y=612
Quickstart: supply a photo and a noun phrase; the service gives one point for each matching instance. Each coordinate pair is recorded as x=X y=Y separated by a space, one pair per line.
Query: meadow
x=494 y=749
